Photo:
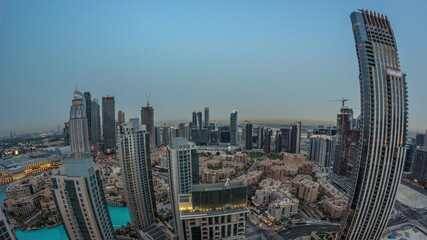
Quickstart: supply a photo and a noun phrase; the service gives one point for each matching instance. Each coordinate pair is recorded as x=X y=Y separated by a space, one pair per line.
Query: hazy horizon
x=270 y=60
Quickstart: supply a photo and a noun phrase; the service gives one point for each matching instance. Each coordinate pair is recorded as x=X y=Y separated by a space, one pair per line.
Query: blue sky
x=268 y=59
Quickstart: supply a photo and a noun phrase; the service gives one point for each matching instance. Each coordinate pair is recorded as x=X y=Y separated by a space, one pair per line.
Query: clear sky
x=268 y=59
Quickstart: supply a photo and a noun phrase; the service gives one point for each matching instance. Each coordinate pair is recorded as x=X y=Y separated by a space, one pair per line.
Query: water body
x=119 y=216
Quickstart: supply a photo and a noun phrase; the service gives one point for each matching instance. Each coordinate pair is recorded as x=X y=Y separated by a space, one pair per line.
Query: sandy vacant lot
x=410 y=197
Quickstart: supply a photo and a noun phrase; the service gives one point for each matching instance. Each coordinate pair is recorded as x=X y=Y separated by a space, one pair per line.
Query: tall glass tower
x=384 y=113
x=77 y=186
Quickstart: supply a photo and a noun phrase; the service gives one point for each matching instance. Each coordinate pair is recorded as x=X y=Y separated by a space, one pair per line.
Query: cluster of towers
x=377 y=148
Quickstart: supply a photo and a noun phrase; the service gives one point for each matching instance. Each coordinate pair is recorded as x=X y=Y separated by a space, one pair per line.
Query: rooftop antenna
x=148 y=97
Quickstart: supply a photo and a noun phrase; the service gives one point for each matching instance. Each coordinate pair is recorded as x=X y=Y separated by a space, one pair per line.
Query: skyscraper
x=419 y=169
x=77 y=186
x=79 y=136
x=66 y=133
x=295 y=138
x=260 y=141
x=121 y=117
x=322 y=149
x=286 y=136
x=183 y=173
x=206 y=117
x=384 y=117
x=267 y=140
x=134 y=148
x=88 y=114
x=6 y=232
x=233 y=128
x=166 y=136
x=278 y=142
x=147 y=119
x=248 y=133
x=108 y=123
x=96 y=121
x=344 y=141
x=199 y=120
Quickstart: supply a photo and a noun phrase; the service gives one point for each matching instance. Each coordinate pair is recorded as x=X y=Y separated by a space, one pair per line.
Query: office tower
x=278 y=142
x=295 y=138
x=419 y=168
x=166 y=138
x=286 y=136
x=419 y=139
x=67 y=133
x=108 y=123
x=79 y=136
x=267 y=140
x=158 y=136
x=233 y=128
x=134 y=148
x=214 y=211
x=96 y=121
x=184 y=131
x=88 y=102
x=206 y=117
x=6 y=232
x=147 y=119
x=425 y=139
x=384 y=121
x=344 y=141
x=183 y=173
x=121 y=117
x=260 y=139
x=322 y=149
x=248 y=133
x=77 y=186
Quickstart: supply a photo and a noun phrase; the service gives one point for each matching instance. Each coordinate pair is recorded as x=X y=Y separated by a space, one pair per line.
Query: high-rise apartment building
x=147 y=119
x=214 y=211
x=183 y=173
x=108 y=123
x=206 y=117
x=121 y=117
x=233 y=128
x=77 y=186
x=260 y=139
x=88 y=114
x=96 y=121
x=134 y=149
x=248 y=136
x=384 y=118
x=6 y=232
x=322 y=149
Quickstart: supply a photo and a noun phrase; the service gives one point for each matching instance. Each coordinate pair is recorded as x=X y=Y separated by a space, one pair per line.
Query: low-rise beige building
x=308 y=190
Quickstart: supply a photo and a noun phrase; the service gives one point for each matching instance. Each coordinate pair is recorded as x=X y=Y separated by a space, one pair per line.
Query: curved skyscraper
x=384 y=113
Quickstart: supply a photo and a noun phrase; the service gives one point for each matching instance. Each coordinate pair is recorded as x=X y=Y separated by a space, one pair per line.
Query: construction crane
x=343 y=100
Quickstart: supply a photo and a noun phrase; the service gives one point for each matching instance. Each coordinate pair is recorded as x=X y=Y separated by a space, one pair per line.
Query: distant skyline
x=267 y=59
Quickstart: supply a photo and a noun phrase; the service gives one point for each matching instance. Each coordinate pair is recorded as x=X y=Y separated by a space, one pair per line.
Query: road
x=299 y=231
